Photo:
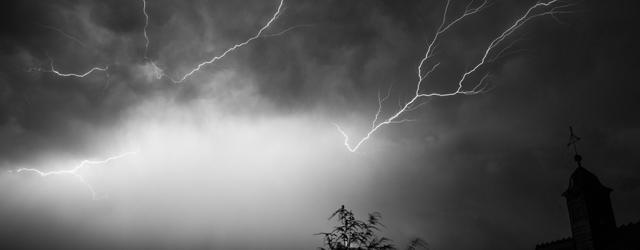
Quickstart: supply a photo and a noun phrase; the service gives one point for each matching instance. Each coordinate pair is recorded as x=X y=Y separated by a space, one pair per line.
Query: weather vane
x=573 y=141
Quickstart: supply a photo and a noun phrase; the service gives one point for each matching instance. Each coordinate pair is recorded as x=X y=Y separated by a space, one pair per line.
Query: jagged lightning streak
x=236 y=46
x=557 y=7
x=74 y=171
x=159 y=73
x=146 y=24
x=53 y=70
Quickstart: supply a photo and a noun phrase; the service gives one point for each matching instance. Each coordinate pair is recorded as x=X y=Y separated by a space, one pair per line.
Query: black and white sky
x=244 y=153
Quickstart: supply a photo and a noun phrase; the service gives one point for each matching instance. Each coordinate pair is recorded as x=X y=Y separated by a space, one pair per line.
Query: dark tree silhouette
x=354 y=234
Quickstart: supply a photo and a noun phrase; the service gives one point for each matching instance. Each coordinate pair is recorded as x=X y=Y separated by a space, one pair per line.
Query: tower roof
x=584 y=181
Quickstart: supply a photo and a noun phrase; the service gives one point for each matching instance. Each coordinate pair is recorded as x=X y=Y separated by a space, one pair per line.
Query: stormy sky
x=244 y=154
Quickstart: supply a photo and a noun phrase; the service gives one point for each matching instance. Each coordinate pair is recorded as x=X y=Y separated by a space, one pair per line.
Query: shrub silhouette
x=354 y=234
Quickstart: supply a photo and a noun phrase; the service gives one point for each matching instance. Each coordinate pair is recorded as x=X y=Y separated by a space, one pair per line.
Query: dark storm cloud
x=38 y=110
x=485 y=168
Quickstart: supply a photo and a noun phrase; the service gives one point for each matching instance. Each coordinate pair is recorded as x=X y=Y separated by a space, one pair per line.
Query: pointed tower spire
x=573 y=141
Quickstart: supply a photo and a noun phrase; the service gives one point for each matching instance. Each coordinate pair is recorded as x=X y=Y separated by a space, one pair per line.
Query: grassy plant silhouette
x=355 y=234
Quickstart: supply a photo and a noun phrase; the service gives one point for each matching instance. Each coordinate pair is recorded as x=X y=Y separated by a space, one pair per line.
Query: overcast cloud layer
x=244 y=154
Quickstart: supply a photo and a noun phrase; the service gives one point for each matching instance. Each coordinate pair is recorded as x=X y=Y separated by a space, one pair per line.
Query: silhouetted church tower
x=590 y=212
x=593 y=226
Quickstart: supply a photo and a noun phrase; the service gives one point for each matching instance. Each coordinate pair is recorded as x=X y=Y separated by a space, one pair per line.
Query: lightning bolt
x=157 y=71
x=75 y=171
x=534 y=11
x=160 y=73
x=146 y=24
x=236 y=46
x=53 y=70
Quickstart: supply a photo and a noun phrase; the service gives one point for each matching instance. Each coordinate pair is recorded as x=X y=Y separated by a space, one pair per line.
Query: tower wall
x=590 y=213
